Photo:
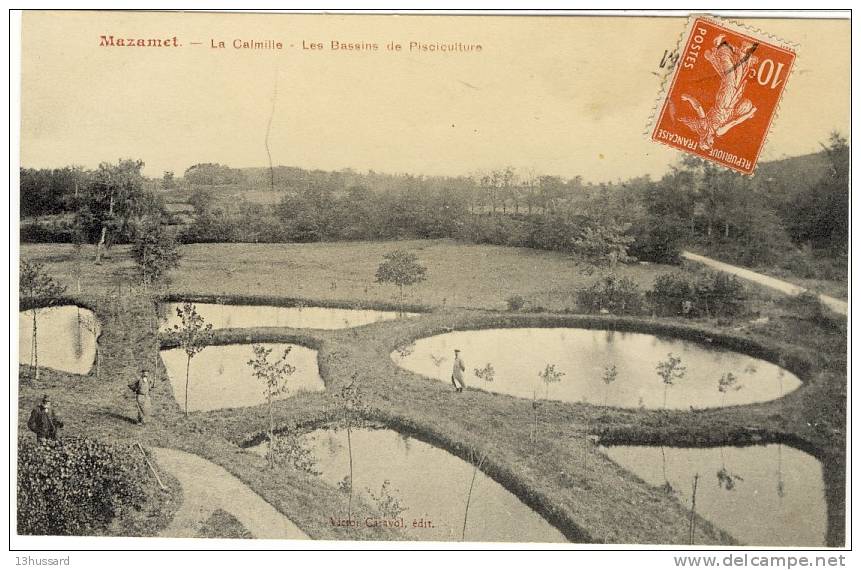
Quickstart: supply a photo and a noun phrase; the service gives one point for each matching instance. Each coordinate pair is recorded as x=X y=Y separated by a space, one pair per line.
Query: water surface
x=66 y=338
x=763 y=495
x=220 y=377
x=430 y=483
x=249 y=316
x=518 y=356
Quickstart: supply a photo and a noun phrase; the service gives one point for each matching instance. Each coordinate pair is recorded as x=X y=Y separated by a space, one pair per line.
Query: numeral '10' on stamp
x=724 y=93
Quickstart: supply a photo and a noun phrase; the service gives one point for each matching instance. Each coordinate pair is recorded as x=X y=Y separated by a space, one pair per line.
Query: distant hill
x=791 y=172
x=795 y=173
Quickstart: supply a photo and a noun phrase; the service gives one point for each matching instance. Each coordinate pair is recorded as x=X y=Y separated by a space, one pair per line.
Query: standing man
x=457 y=372
x=141 y=387
x=43 y=421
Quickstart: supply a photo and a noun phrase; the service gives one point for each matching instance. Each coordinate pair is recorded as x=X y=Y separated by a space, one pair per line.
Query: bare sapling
x=477 y=458
x=610 y=376
x=388 y=504
x=274 y=376
x=349 y=412
x=728 y=383
x=487 y=374
x=693 y=509
x=670 y=371
x=550 y=376
x=36 y=287
x=193 y=334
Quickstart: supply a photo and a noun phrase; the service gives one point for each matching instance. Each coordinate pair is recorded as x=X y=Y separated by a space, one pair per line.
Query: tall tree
x=115 y=196
x=168 y=180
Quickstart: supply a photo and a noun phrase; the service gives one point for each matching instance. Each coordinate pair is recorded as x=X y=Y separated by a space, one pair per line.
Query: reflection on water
x=249 y=316
x=584 y=357
x=430 y=483
x=220 y=377
x=764 y=495
x=66 y=338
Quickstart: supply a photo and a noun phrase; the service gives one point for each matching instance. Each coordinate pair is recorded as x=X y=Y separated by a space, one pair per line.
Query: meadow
x=459 y=274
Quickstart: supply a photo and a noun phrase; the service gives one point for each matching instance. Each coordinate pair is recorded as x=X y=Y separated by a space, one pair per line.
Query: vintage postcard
x=478 y=279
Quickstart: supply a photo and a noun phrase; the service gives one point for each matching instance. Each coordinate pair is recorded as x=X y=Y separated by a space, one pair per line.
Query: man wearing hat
x=43 y=421
x=141 y=387
x=457 y=372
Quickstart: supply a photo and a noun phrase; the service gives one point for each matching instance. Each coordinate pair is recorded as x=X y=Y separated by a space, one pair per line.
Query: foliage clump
x=402 y=269
x=611 y=294
x=35 y=285
x=77 y=486
x=154 y=251
x=709 y=294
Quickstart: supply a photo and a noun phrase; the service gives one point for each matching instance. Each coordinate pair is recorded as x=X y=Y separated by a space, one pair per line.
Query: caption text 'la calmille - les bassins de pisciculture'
x=393 y=46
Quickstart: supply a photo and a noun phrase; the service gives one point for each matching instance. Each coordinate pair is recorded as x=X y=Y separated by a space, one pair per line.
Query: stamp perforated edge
x=670 y=75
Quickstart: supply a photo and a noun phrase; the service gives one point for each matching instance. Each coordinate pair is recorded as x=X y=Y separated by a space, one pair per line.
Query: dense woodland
x=793 y=213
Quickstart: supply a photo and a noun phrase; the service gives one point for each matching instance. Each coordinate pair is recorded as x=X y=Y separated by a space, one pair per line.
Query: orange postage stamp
x=724 y=93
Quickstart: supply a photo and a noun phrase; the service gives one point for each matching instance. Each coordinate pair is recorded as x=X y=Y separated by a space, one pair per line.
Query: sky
x=565 y=96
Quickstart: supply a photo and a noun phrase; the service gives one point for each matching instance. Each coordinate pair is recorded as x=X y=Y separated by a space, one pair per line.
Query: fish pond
x=598 y=367
x=421 y=488
x=763 y=495
x=66 y=338
x=220 y=376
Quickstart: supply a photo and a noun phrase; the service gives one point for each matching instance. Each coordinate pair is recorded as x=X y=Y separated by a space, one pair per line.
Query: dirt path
x=207 y=487
x=836 y=305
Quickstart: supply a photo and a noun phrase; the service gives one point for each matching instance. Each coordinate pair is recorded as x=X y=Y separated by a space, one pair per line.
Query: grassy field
x=459 y=275
x=561 y=475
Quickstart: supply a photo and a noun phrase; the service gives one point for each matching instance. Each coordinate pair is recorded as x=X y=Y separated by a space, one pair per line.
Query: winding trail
x=837 y=305
x=207 y=487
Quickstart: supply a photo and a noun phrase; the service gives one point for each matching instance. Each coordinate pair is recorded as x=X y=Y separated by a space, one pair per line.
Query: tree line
x=787 y=211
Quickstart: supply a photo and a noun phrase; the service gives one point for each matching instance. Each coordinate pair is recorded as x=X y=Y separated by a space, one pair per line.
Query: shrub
x=47 y=231
x=807 y=306
x=76 y=486
x=619 y=296
x=814 y=264
x=154 y=251
x=708 y=294
x=720 y=294
x=515 y=302
x=669 y=294
x=604 y=244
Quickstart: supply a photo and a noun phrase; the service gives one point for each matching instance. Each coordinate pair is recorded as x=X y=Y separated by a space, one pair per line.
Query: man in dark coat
x=141 y=387
x=43 y=421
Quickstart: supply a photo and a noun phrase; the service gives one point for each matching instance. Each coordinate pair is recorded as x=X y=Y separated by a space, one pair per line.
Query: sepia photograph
x=477 y=279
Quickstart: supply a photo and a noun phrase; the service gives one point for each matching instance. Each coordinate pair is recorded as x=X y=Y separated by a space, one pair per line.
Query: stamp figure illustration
x=723 y=95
